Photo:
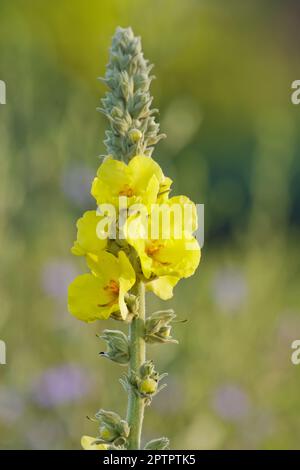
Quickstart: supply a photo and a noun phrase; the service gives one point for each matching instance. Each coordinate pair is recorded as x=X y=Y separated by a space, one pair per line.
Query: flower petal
x=89 y=443
x=87 y=239
x=163 y=286
x=142 y=169
x=178 y=258
x=112 y=177
x=88 y=300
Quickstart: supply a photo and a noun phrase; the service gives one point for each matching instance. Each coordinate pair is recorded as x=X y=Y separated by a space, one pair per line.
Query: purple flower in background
x=231 y=402
x=76 y=184
x=56 y=277
x=60 y=385
x=229 y=289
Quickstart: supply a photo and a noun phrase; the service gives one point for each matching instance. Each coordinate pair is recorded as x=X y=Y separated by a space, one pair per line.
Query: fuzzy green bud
x=117 y=346
x=135 y=135
x=127 y=105
x=146 y=383
x=158 y=444
x=112 y=428
x=107 y=433
x=158 y=327
x=147 y=370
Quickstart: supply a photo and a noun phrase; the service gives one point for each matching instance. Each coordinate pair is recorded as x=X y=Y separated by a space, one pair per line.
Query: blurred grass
x=223 y=84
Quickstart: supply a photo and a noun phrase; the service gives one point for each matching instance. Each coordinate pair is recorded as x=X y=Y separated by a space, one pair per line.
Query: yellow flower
x=89 y=443
x=89 y=240
x=176 y=258
x=165 y=244
x=98 y=295
x=141 y=181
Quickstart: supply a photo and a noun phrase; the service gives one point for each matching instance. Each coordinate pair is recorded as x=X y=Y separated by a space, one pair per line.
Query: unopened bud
x=148 y=386
x=158 y=444
x=147 y=381
x=135 y=135
x=112 y=428
x=158 y=327
x=147 y=369
x=165 y=331
x=117 y=346
x=107 y=433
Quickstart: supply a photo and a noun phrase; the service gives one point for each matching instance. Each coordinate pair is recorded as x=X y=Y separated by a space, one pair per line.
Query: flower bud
x=146 y=383
x=112 y=428
x=148 y=386
x=158 y=328
x=135 y=135
x=147 y=370
x=117 y=346
x=158 y=444
x=107 y=433
x=132 y=302
x=165 y=331
x=116 y=112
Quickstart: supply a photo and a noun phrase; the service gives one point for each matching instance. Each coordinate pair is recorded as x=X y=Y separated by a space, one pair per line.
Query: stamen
x=153 y=248
x=112 y=287
x=126 y=191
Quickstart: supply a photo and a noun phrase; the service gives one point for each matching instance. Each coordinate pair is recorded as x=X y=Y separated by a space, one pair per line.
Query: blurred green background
x=224 y=72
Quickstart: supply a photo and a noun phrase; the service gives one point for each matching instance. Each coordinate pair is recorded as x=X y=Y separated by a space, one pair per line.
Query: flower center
x=126 y=191
x=153 y=248
x=112 y=287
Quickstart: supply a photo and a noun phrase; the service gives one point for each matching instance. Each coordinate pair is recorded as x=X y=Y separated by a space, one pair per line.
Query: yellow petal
x=108 y=268
x=150 y=195
x=112 y=177
x=189 y=209
x=105 y=266
x=88 y=300
x=126 y=271
x=139 y=181
x=177 y=257
x=126 y=281
x=172 y=218
x=163 y=256
x=163 y=286
x=87 y=238
x=88 y=443
x=143 y=169
x=164 y=189
x=140 y=247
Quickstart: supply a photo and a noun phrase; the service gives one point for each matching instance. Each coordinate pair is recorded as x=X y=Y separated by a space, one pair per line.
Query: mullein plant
x=126 y=260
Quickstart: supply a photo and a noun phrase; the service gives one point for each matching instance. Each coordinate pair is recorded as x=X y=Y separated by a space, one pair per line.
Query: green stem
x=135 y=412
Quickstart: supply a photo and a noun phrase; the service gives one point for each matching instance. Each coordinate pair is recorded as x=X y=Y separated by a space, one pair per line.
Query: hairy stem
x=137 y=345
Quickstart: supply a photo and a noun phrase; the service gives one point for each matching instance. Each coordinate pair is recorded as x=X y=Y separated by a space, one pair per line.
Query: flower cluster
x=133 y=253
x=138 y=238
